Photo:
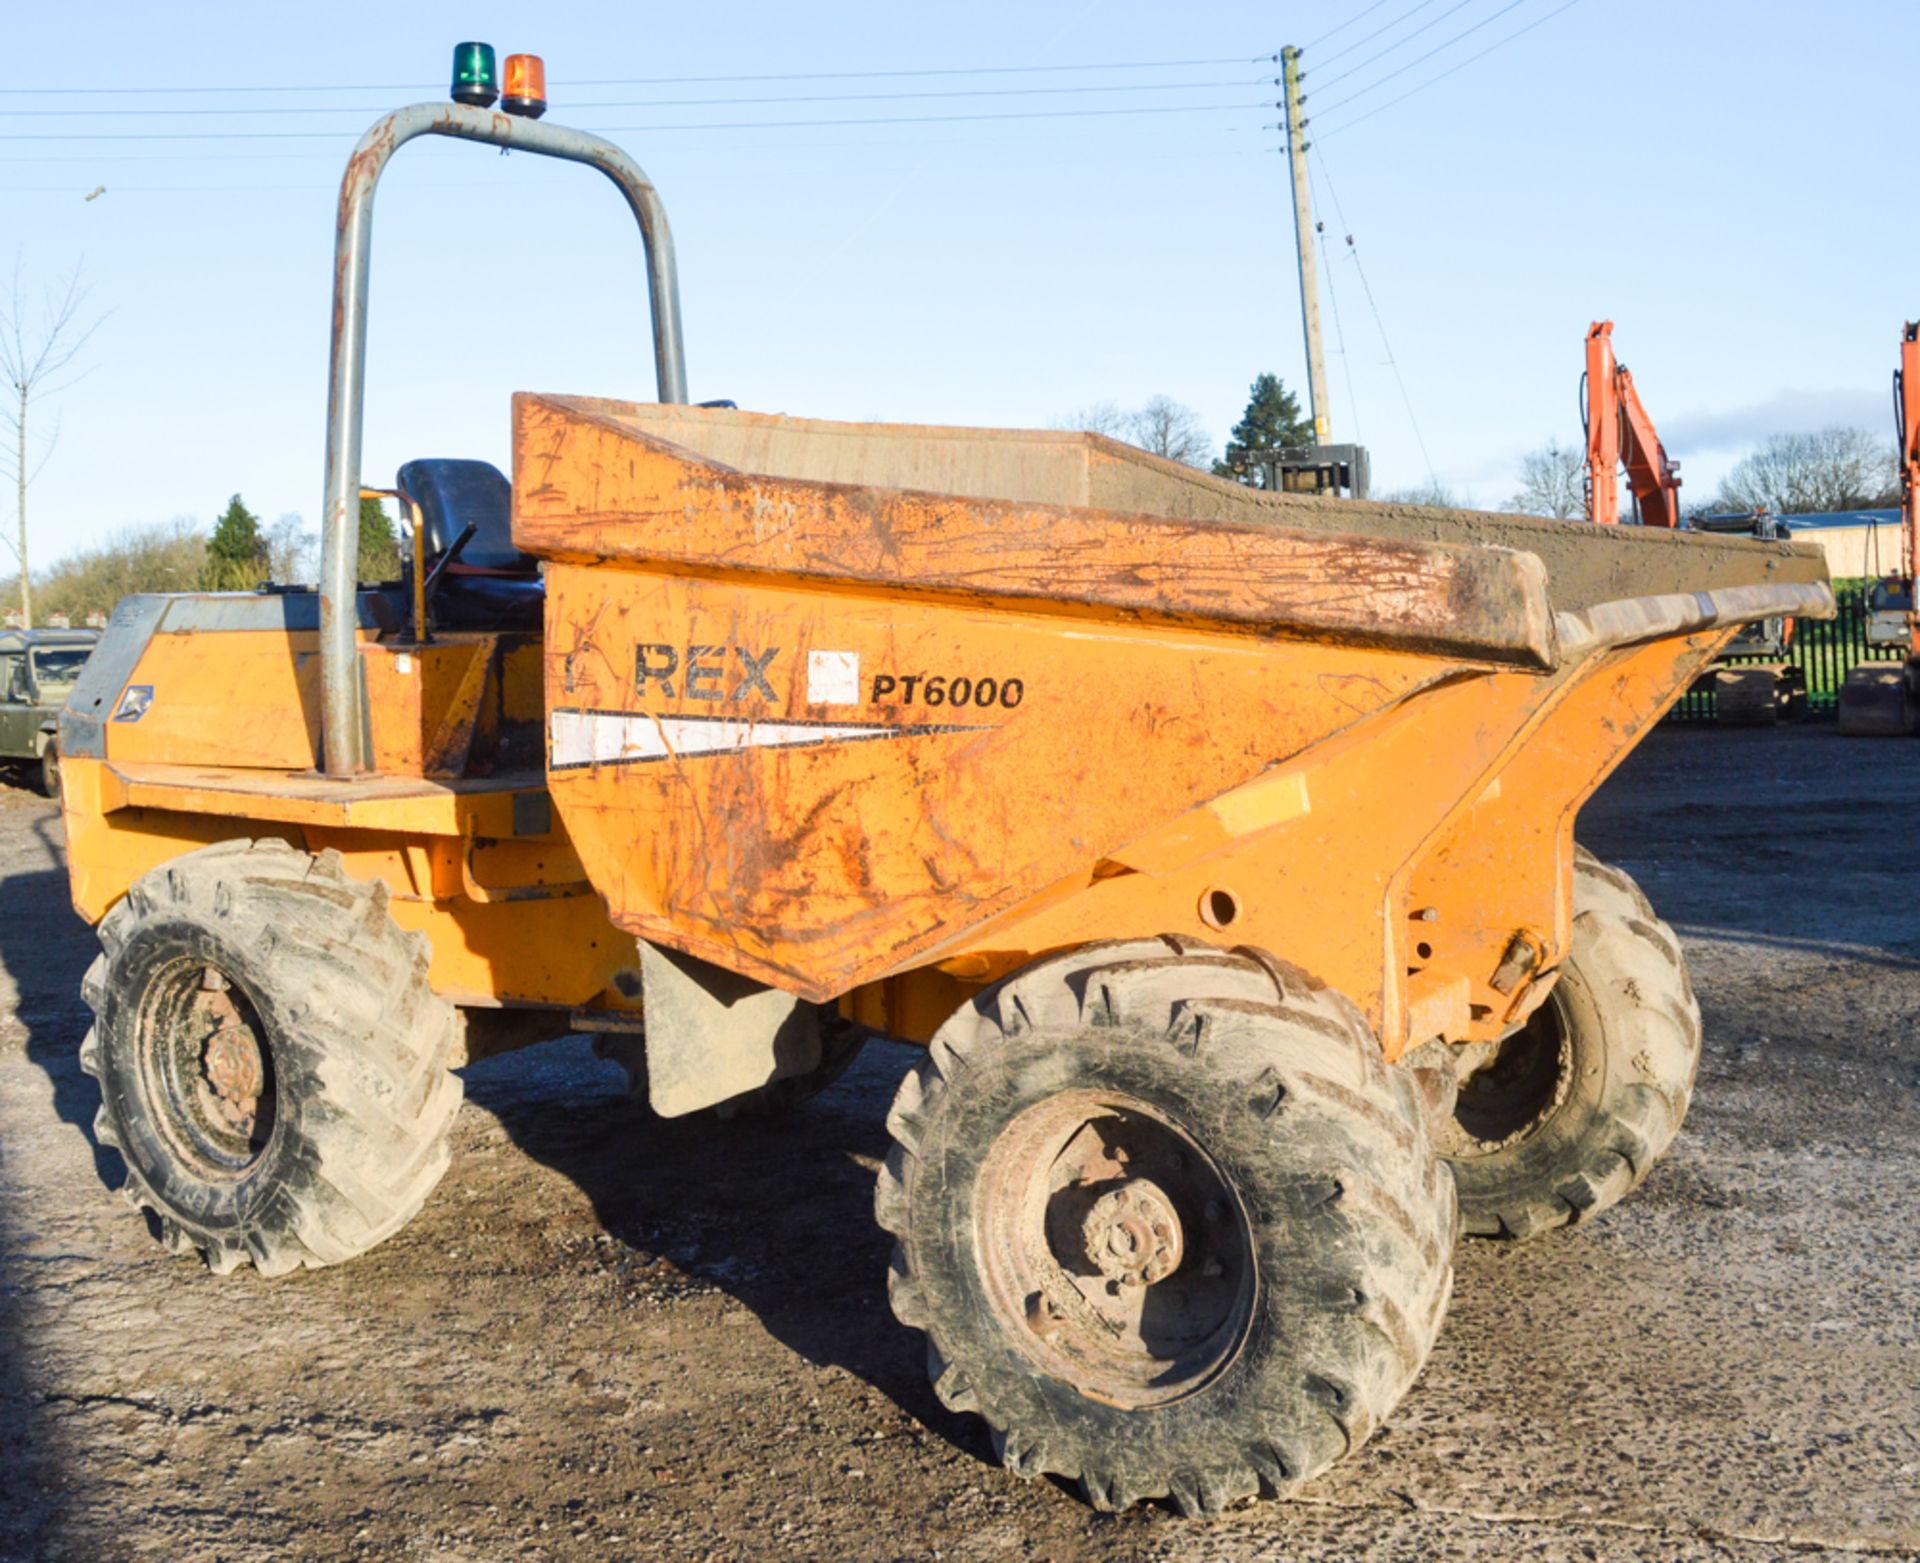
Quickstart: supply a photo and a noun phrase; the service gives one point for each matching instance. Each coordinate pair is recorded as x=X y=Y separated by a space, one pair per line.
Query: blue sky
x=1722 y=180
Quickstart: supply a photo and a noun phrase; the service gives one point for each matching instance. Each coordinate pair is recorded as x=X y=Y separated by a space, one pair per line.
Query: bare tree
x=1432 y=492
x=38 y=348
x=1804 y=474
x=1553 y=482
x=1168 y=429
x=290 y=552
x=1163 y=427
x=1108 y=418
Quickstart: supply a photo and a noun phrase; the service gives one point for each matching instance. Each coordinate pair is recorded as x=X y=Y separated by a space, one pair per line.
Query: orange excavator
x=1881 y=698
x=1620 y=432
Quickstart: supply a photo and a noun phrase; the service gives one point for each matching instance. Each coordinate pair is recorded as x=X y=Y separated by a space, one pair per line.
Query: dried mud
x=610 y=1337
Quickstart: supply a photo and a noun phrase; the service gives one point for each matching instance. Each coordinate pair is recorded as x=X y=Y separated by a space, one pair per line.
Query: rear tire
x=1572 y=1110
x=50 y=772
x=1170 y=1223
x=273 y=1064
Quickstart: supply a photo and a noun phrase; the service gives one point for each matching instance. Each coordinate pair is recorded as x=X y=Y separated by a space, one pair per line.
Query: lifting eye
x=1219 y=907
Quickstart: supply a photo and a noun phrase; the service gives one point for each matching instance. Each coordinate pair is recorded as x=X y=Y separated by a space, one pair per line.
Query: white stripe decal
x=614 y=737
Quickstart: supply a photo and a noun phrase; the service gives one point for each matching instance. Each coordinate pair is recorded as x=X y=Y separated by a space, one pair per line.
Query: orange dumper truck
x=1218 y=846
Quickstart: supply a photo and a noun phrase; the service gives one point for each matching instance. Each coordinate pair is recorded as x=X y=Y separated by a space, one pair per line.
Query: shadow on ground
x=778 y=1214
x=47 y=952
x=44 y=951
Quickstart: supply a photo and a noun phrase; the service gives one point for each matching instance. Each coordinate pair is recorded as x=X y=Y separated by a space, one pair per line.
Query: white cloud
x=1786 y=412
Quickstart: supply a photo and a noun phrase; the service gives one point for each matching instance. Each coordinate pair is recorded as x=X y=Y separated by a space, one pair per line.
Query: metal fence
x=1823 y=649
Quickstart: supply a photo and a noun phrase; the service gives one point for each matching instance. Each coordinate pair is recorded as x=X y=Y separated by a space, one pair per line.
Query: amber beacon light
x=524 y=86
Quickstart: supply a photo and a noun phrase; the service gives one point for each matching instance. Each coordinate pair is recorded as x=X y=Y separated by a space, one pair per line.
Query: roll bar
x=343 y=722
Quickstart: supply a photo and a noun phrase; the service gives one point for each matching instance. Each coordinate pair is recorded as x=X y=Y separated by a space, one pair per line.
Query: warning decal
x=579 y=738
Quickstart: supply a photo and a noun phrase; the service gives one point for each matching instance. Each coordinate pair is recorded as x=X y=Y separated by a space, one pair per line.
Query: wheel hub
x=1132 y=1234
x=207 y=1062
x=232 y=1065
x=1509 y=1090
x=1114 y=1248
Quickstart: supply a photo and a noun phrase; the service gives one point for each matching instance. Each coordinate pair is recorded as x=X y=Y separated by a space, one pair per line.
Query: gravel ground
x=610 y=1337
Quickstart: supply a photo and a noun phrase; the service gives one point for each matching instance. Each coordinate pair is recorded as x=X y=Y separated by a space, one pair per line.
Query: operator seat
x=491 y=584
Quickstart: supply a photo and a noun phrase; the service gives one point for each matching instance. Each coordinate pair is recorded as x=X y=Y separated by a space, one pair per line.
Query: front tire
x=273 y=1065
x=50 y=772
x=1170 y=1223
x=1567 y=1115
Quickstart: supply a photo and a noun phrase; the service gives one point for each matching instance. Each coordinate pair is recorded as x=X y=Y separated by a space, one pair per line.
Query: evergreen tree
x=236 y=553
x=379 y=543
x=1272 y=422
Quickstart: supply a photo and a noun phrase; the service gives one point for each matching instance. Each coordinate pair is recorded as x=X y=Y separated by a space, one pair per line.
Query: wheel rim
x=1114 y=1251
x=207 y=1068
x=1516 y=1092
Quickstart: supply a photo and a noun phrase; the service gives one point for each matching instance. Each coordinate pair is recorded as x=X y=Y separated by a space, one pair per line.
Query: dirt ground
x=609 y=1337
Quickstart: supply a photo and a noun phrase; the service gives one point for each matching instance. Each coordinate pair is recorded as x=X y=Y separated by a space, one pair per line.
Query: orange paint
x=883 y=744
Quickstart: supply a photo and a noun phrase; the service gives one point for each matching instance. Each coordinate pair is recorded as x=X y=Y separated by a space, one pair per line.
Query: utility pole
x=1303 y=236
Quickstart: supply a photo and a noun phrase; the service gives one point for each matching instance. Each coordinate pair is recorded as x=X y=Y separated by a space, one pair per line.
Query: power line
x=1197 y=157
x=176 y=157
x=1436 y=49
x=1118 y=153
x=1366 y=287
x=1443 y=75
x=745 y=124
x=1339 y=331
x=1376 y=33
x=91 y=158
x=656 y=81
x=1398 y=43
x=672 y=103
x=1357 y=16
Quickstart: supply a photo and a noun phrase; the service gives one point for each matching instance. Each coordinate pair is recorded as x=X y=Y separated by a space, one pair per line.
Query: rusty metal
x=875 y=715
x=1113 y=1248
x=232 y=1063
x=343 y=721
x=1133 y=1233
x=208 y=1068
x=1521 y=955
x=809 y=632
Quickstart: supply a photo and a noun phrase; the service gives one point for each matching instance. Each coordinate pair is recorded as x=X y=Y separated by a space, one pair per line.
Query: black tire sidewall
x=223 y=1207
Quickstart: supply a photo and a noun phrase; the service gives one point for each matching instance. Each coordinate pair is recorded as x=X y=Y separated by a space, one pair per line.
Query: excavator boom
x=1884 y=697
x=1906 y=408
x=1619 y=430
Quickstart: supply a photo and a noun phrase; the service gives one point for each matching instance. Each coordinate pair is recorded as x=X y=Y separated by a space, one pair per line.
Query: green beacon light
x=475 y=81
